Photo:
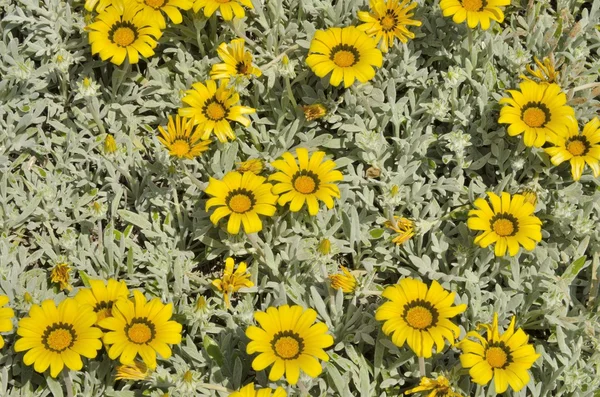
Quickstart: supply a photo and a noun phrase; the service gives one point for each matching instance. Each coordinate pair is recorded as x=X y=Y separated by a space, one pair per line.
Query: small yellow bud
x=324 y=247
x=28 y=298
x=285 y=60
x=188 y=377
x=110 y=144
x=200 y=303
x=394 y=190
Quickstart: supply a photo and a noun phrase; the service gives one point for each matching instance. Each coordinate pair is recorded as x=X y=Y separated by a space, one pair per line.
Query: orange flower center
x=419 y=317
x=215 y=111
x=180 y=148
x=388 y=22
x=124 y=36
x=344 y=59
x=240 y=203
x=305 y=184
x=140 y=331
x=287 y=345
x=576 y=148
x=59 y=338
x=534 y=117
x=155 y=3
x=496 y=357
x=472 y=5
x=503 y=227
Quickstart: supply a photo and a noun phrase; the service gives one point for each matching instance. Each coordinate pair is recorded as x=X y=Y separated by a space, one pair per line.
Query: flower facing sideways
x=232 y=281
x=101 y=297
x=237 y=61
x=6 y=315
x=181 y=139
x=439 y=387
x=345 y=281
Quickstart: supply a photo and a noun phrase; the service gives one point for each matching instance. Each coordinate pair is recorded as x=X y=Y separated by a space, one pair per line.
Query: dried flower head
x=405 y=228
x=60 y=275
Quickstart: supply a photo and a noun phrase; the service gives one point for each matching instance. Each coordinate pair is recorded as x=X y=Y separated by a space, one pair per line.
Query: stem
x=100 y=235
x=288 y=88
x=215 y=387
x=594 y=283
x=586 y=86
x=123 y=73
x=470 y=38
x=330 y=290
x=422 y=367
x=276 y=59
x=68 y=383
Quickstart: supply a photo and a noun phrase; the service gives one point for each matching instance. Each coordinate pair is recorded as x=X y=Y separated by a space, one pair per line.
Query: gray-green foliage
x=428 y=122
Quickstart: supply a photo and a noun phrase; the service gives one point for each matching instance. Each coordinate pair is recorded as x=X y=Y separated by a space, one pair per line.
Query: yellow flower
x=123 y=31
x=231 y=282
x=346 y=282
x=474 y=11
x=136 y=371
x=181 y=139
x=6 y=315
x=530 y=196
x=98 y=5
x=110 y=144
x=55 y=337
x=212 y=107
x=324 y=247
x=510 y=223
x=289 y=339
x=546 y=72
x=200 y=303
x=578 y=148
x=439 y=387
x=404 y=227
x=387 y=20
x=303 y=179
x=27 y=297
x=228 y=8
x=538 y=110
x=314 y=111
x=153 y=10
x=101 y=297
x=253 y=165
x=249 y=391
x=60 y=276
x=506 y=357
x=347 y=53
x=140 y=327
x=236 y=61
x=419 y=315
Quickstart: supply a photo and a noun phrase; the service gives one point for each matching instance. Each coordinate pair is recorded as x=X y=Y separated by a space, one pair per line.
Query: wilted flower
x=60 y=276
x=545 y=73
x=346 y=281
x=324 y=247
x=439 y=387
x=530 y=196
x=253 y=165
x=314 y=111
x=135 y=371
x=404 y=227
x=232 y=281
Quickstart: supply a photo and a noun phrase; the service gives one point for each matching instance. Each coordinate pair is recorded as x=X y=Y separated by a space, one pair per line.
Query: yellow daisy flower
x=60 y=275
x=387 y=20
x=510 y=223
x=255 y=166
x=182 y=140
x=213 y=107
x=346 y=281
x=55 y=337
x=404 y=227
x=314 y=111
x=123 y=31
x=506 y=357
x=6 y=315
x=232 y=281
x=249 y=391
x=153 y=10
x=236 y=61
x=474 y=11
x=289 y=339
x=438 y=387
x=578 y=148
x=101 y=297
x=242 y=197
x=97 y=5
x=537 y=110
x=140 y=327
x=228 y=8
x=545 y=73
x=419 y=315
x=136 y=371
x=347 y=53
x=305 y=179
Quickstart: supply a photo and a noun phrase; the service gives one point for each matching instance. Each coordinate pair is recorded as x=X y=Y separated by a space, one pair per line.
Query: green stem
x=422 y=367
x=215 y=387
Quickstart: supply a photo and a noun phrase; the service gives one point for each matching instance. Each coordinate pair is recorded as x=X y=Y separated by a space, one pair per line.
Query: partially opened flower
x=182 y=139
x=154 y=9
x=135 y=371
x=289 y=339
x=228 y=8
x=237 y=61
x=122 y=31
x=509 y=223
x=504 y=357
x=538 y=111
x=232 y=281
x=101 y=297
x=578 y=148
x=404 y=229
x=6 y=315
x=214 y=108
x=345 y=281
x=347 y=53
x=475 y=12
x=545 y=72
x=58 y=336
x=250 y=391
x=419 y=315
x=242 y=198
x=255 y=166
x=60 y=275
x=305 y=179
x=141 y=328
x=387 y=20
x=439 y=387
